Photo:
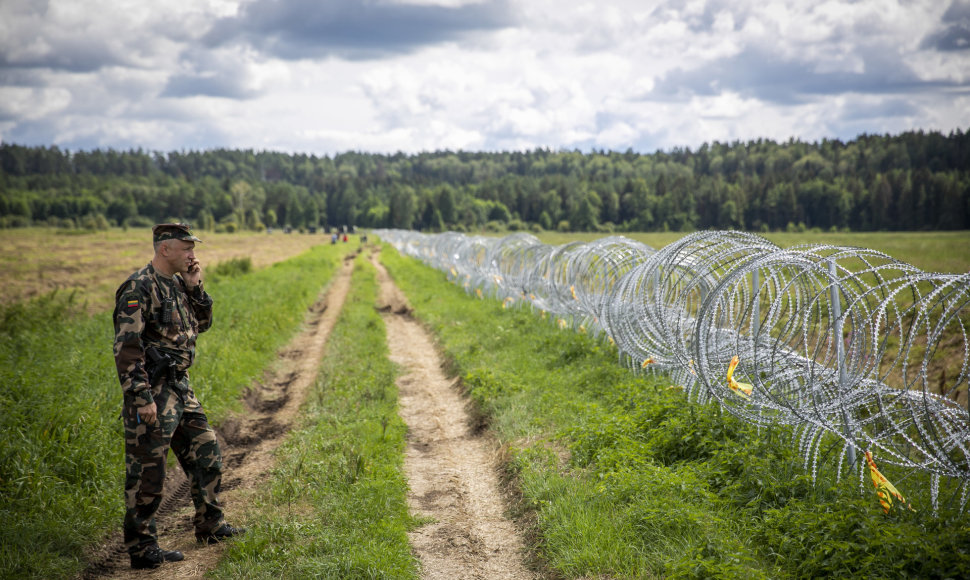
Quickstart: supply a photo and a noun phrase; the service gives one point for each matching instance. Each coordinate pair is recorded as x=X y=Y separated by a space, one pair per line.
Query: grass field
x=36 y=261
x=947 y=252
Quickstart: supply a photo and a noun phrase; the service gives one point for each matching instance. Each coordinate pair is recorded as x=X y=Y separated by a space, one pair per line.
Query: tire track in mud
x=248 y=442
x=451 y=470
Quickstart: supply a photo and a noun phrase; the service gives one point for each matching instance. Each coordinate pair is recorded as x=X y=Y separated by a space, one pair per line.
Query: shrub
x=139 y=221
x=63 y=223
x=517 y=226
x=94 y=222
x=231 y=268
x=14 y=221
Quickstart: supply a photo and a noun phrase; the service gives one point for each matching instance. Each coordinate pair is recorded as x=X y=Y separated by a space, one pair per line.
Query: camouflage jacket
x=154 y=310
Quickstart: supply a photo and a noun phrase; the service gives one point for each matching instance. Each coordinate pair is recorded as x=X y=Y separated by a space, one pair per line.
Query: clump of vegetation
x=230 y=268
x=55 y=307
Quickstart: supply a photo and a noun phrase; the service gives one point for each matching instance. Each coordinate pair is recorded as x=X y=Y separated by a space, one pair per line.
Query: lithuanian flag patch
x=129 y=303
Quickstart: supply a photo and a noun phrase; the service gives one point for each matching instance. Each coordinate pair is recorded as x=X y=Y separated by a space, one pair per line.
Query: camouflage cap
x=162 y=232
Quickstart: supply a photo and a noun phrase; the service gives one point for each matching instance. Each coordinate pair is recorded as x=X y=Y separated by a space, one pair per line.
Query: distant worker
x=345 y=237
x=159 y=312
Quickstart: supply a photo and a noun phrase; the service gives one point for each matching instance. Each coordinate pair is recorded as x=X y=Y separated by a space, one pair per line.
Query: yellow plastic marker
x=739 y=388
x=884 y=490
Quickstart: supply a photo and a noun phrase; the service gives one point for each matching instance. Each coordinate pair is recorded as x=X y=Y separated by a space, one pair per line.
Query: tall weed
x=60 y=467
x=230 y=268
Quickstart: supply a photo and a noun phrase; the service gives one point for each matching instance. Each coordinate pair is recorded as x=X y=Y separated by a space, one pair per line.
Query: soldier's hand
x=149 y=414
x=192 y=274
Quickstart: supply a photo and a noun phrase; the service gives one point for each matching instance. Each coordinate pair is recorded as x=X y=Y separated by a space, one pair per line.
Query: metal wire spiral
x=830 y=340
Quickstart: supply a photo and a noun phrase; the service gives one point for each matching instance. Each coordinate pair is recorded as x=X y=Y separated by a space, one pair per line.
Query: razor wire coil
x=828 y=339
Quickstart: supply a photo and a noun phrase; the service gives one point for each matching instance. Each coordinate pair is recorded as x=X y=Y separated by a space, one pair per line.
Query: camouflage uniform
x=153 y=310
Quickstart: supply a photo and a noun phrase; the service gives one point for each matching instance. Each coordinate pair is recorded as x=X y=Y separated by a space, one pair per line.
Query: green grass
x=336 y=504
x=61 y=452
x=623 y=477
x=256 y=314
x=932 y=251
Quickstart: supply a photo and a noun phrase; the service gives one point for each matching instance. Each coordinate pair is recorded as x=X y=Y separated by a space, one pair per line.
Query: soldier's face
x=181 y=255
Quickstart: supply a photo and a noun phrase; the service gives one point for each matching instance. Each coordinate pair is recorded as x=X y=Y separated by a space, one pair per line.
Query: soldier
x=159 y=312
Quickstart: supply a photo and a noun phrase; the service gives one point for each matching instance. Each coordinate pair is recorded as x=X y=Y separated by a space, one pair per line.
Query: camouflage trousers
x=183 y=427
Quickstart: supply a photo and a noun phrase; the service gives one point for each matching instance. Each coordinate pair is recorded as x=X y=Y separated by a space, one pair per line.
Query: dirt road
x=451 y=470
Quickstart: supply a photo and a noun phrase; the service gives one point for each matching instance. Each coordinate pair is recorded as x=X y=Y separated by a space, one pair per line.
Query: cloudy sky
x=327 y=76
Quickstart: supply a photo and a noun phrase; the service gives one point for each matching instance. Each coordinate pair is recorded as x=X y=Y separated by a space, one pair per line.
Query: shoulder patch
x=130 y=303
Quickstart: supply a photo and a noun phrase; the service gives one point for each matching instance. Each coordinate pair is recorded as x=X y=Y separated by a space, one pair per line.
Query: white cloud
x=726 y=105
x=617 y=136
x=32 y=103
x=615 y=74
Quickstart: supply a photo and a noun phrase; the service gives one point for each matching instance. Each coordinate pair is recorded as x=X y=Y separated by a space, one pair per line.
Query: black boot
x=219 y=534
x=153 y=557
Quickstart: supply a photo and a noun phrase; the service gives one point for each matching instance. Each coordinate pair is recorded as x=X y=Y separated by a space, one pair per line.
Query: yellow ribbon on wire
x=743 y=389
x=884 y=490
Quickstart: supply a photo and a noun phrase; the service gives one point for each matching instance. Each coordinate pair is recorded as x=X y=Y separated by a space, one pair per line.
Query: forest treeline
x=911 y=181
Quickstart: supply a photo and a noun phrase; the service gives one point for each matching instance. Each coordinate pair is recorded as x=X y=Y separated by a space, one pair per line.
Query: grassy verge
x=336 y=505
x=61 y=451
x=621 y=476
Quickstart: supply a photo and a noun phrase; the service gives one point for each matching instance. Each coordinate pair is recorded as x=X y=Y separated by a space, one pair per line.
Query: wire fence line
x=832 y=340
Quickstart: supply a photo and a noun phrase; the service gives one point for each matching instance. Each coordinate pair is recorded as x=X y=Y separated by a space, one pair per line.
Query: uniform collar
x=156 y=272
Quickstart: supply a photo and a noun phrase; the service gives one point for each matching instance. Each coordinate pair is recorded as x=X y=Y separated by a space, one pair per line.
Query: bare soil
x=248 y=442
x=452 y=468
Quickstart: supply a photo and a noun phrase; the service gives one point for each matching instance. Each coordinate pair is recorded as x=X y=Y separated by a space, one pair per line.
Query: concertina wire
x=828 y=339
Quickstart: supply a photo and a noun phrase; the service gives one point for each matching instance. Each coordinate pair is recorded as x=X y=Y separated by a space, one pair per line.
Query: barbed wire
x=828 y=339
